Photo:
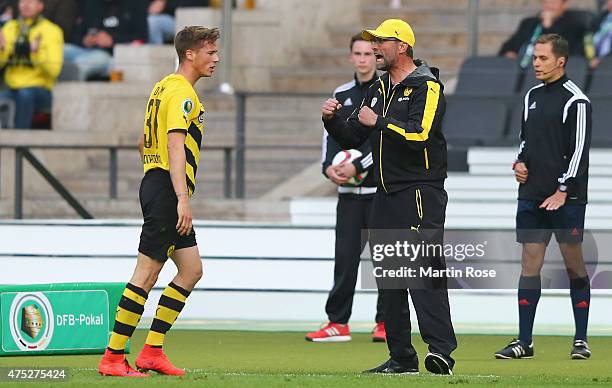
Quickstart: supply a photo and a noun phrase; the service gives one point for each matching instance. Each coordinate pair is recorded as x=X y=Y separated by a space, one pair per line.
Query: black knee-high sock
x=530 y=289
x=580 y=291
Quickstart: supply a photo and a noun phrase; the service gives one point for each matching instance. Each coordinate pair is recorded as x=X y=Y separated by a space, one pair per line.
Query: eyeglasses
x=382 y=40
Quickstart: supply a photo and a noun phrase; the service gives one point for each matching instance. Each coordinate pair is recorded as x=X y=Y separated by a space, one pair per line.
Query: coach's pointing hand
x=330 y=107
x=367 y=116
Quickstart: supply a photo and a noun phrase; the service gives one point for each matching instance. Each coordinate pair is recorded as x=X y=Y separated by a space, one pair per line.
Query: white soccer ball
x=347 y=156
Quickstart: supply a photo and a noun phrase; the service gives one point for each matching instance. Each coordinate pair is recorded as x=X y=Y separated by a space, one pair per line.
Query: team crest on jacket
x=374 y=101
x=407 y=92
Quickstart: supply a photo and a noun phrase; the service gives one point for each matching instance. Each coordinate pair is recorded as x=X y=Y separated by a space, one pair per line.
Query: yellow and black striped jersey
x=173 y=106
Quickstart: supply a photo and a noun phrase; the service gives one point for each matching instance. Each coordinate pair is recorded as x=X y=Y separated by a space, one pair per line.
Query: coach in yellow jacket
x=31 y=51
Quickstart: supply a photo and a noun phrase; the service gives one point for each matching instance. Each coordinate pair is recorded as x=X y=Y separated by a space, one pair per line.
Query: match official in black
x=552 y=169
x=402 y=114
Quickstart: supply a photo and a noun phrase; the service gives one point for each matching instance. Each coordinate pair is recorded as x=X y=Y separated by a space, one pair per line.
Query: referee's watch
x=563 y=188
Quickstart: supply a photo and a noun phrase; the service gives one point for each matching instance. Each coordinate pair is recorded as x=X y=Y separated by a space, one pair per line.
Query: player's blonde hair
x=193 y=37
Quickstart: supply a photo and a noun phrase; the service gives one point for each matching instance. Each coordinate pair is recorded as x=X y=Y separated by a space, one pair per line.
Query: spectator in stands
x=161 y=18
x=61 y=12
x=101 y=25
x=554 y=17
x=602 y=35
x=31 y=49
x=8 y=9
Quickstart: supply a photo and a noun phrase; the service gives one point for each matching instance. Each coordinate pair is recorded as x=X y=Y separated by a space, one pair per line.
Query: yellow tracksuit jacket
x=47 y=59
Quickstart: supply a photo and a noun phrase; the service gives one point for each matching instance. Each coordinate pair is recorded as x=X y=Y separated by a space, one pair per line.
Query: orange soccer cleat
x=151 y=358
x=116 y=365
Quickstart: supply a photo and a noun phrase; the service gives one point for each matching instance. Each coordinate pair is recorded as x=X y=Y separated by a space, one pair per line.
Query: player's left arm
x=426 y=109
x=181 y=108
x=177 y=161
x=578 y=123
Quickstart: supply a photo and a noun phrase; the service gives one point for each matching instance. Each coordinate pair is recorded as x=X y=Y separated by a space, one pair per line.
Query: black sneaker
x=515 y=349
x=437 y=364
x=393 y=367
x=580 y=351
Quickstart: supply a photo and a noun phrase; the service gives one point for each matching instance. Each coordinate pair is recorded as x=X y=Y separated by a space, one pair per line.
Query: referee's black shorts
x=159 y=237
x=536 y=225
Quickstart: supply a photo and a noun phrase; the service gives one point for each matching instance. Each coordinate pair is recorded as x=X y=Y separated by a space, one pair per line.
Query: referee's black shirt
x=555 y=141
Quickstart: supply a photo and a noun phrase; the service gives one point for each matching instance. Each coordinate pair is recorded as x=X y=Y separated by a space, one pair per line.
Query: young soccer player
x=170 y=149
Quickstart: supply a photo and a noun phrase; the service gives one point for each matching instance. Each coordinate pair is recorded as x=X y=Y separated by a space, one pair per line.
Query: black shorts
x=159 y=238
x=535 y=225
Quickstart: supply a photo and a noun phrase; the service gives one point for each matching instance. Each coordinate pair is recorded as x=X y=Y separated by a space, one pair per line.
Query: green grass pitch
x=269 y=359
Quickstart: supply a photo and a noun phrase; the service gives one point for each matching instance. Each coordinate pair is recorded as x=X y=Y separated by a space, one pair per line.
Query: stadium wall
x=253 y=272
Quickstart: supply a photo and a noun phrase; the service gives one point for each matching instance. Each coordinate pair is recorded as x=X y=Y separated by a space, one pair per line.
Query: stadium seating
x=488 y=76
x=514 y=122
x=602 y=122
x=484 y=80
x=463 y=126
x=601 y=80
x=84 y=108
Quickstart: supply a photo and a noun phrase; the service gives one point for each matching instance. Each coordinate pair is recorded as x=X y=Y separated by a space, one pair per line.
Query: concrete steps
x=325 y=81
x=278 y=121
x=264 y=170
x=486 y=196
x=484 y=4
x=324 y=58
x=438 y=24
x=89 y=178
x=441 y=37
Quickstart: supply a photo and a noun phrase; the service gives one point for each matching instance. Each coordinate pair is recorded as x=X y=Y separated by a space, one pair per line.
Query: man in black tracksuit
x=402 y=113
x=552 y=169
x=354 y=203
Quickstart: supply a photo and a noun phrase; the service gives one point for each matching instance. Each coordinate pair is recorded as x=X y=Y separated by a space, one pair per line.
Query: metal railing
x=24 y=152
x=241 y=146
x=473 y=7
